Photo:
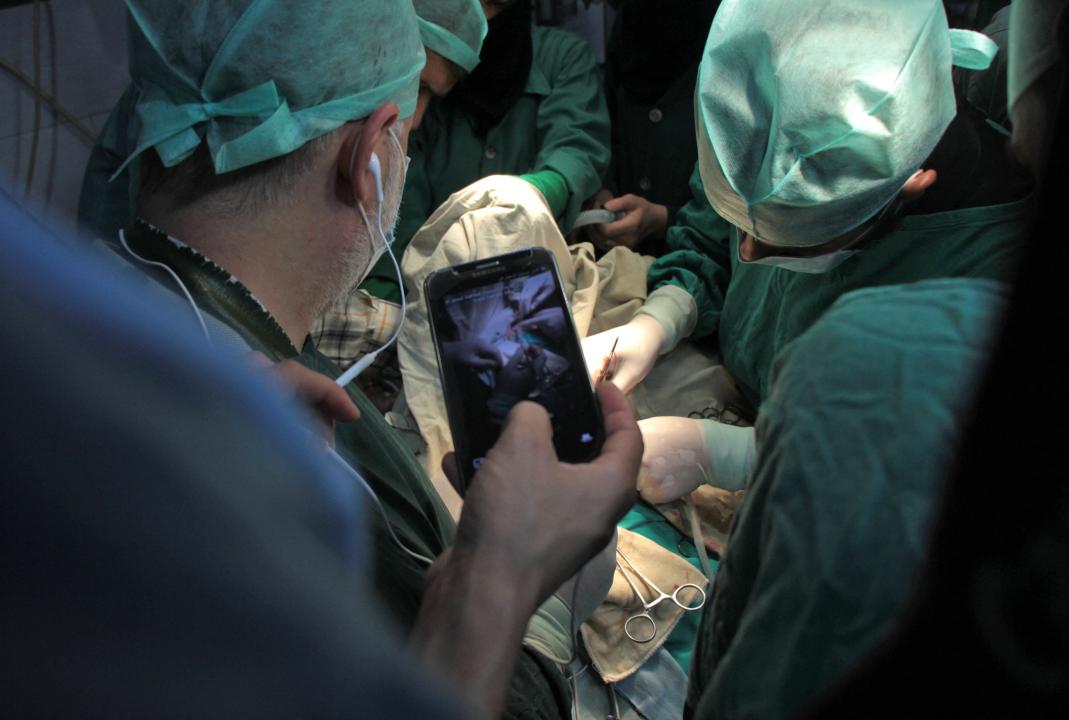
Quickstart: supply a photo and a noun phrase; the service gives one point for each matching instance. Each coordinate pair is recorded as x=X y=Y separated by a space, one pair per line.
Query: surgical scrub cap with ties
x=812 y=115
x=455 y=29
x=258 y=79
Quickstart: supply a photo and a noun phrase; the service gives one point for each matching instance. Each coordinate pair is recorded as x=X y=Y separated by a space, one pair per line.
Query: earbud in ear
x=376 y=171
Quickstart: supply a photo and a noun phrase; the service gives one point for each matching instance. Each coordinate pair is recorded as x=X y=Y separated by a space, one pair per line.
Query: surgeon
x=998 y=614
x=271 y=141
x=534 y=107
x=651 y=66
x=452 y=32
x=836 y=149
x=850 y=478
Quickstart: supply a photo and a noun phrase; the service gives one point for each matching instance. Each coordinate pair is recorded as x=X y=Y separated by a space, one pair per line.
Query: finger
x=601 y=197
x=331 y=400
x=437 y=568
x=625 y=226
x=623 y=446
x=452 y=473
x=527 y=425
x=624 y=202
x=319 y=391
x=339 y=406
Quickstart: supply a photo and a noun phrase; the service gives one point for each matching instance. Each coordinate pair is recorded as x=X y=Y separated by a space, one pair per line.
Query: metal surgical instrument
x=641 y=627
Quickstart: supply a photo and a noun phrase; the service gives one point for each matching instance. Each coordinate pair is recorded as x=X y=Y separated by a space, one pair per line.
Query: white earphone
x=375 y=168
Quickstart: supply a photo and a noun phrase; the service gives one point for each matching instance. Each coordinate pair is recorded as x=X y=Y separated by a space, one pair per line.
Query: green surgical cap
x=454 y=29
x=1033 y=43
x=812 y=115
x=258 y=79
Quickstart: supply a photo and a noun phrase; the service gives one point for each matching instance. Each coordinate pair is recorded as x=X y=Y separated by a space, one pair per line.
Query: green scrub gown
x=559 y=123
x=854 y=441
x=416 y=513
x=105 y=206
x=758 y=309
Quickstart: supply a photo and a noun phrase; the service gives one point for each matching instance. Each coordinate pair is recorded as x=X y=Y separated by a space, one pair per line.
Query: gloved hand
x=638 y=343
x=474 y=352
x=682 y=453
x=642 y=219
x=548 y=321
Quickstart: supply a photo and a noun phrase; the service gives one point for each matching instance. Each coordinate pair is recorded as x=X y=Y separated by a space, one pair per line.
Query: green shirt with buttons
x=653 y=143
x=556 y=136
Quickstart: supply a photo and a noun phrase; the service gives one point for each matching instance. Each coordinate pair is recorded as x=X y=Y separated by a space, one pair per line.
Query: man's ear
x=354 y=155
x=917 y=184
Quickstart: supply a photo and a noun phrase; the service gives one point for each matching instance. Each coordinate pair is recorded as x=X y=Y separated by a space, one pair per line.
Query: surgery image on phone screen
x=512 y=340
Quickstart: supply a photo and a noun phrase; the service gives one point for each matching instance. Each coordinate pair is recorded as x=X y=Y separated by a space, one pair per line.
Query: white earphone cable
x=378 y=504
x=363 y=363
x=178 y=281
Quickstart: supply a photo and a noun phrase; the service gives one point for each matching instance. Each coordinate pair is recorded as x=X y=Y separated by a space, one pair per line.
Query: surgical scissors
x=644 y=619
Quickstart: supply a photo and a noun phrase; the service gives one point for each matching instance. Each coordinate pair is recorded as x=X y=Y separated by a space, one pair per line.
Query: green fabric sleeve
x=573 y=124
x=856 y=438
x=676 y=311
x=552 y=187
x=549 y=629
x=732 y=451
x=699 y=260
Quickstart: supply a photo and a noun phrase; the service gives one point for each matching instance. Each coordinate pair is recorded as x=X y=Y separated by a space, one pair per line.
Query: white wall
x=82 y=50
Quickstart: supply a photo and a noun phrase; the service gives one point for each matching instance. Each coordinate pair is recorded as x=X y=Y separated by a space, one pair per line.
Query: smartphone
x=503 y=332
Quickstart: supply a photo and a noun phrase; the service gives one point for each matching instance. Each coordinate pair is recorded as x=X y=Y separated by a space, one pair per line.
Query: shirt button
x=644 y=183
x=656 y=115
x=491 y=152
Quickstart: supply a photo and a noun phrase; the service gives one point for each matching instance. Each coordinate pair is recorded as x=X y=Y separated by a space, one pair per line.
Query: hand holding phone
x=503 y=334
x=545 y=518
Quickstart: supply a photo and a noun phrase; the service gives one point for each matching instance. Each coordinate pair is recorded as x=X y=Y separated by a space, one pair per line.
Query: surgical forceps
x=634 y=625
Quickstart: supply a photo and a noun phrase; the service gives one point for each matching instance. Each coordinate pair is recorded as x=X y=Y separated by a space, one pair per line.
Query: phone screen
x=504 y=336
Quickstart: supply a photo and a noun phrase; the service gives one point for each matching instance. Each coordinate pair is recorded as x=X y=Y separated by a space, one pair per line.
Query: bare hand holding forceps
x=644 y=620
